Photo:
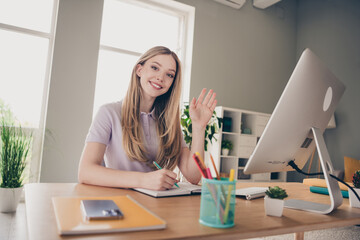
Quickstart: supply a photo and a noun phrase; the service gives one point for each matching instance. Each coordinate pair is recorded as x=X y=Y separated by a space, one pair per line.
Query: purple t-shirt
x=106 y=129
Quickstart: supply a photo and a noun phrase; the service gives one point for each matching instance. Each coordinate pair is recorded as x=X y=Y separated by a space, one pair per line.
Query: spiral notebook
x=184 y=189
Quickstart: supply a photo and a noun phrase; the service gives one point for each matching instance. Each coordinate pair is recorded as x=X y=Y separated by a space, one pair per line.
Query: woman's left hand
x=202 y=109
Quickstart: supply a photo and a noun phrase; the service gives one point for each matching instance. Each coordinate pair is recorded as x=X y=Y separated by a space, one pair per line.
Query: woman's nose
x=160 y=77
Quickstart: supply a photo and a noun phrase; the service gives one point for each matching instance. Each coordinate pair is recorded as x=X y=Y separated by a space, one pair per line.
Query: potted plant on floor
x=354 y=201
x=226 y=147
x=14 y=148
x=274 y=201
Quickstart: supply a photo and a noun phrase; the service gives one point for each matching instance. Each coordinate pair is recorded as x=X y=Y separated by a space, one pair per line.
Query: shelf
x=231 y=133
x=237 y=121
x=228 y=156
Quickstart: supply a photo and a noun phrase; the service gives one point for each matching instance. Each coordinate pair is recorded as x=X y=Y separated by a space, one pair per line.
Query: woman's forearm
x=98 y=175
x=190 y=170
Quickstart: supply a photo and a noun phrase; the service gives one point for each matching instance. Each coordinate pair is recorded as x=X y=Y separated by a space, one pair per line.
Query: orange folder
x=70 y=220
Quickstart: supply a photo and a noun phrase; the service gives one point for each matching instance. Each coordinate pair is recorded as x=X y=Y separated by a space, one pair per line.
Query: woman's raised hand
x=202 y=109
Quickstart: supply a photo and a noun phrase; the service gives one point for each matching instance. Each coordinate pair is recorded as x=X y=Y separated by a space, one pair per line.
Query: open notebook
x=70 y=220
x=185 y=189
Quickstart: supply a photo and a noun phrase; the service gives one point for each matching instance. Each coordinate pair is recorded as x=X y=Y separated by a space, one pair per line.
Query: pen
x=227 y=206
x=202 y=164
x=158 y=167
x=198 y=164
x=213 y=163
x=208 y=173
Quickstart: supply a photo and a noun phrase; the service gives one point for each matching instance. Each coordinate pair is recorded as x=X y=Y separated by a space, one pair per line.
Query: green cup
x=217 y=207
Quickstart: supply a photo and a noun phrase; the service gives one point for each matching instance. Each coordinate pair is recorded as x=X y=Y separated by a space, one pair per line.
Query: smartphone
x=100 y=210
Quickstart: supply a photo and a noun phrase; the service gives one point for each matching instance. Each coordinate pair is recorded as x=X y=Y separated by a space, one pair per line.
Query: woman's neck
x=146 y=105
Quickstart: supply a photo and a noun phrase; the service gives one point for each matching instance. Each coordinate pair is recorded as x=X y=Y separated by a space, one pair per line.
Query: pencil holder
x=217 y=207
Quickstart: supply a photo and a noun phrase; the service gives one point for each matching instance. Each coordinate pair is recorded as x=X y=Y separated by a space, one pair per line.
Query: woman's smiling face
x=156 y=75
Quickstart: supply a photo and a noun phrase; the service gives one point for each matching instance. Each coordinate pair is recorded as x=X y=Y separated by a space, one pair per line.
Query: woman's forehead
x=164 y=60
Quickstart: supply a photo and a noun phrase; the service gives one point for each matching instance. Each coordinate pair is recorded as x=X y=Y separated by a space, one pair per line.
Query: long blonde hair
x=167 y=116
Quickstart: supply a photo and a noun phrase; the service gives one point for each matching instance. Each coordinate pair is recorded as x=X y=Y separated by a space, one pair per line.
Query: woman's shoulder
x=111 y=108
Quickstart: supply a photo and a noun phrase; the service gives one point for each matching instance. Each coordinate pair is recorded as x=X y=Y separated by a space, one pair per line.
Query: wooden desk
x=182 y=214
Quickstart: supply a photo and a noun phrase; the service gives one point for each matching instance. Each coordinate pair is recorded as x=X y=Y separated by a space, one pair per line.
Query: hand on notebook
x=160 y=180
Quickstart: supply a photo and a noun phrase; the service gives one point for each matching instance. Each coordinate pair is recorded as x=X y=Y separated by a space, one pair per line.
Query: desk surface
x=182 y=213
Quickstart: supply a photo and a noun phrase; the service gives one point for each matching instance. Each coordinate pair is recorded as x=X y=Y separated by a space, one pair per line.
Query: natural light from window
x=24 y=43
x=129 y=28
x=26 y=39
x=23 y=66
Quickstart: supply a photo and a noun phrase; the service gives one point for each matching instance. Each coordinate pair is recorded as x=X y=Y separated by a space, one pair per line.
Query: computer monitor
x=296 y=126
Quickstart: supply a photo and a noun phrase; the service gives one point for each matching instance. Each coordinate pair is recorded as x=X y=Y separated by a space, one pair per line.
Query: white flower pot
x=354 y=202
x=273 y=207
x=225 y=152
x=9 y=199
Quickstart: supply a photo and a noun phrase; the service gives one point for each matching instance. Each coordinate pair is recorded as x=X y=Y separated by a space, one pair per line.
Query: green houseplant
x=354 y=201
x=226 y=146
x=274 y=201
x=14 y=148
x=211 y=129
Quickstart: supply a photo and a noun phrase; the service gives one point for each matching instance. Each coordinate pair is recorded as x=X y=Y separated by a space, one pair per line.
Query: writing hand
x=160 y=180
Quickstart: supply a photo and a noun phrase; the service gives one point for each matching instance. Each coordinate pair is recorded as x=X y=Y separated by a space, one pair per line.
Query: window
x=26 y=40
x=129 y=28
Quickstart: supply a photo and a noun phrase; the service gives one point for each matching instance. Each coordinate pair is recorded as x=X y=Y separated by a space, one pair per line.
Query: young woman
x=145 y=127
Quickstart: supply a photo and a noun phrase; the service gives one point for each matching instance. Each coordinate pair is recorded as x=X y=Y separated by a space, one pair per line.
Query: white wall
x=331 y=29
x=72 y=86
x=246 y=55
x=235 y=51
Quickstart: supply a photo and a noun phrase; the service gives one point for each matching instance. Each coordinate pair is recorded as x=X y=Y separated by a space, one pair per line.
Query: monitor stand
x=332 y=184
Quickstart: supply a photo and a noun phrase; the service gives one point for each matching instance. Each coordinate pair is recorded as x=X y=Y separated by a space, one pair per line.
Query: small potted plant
x=274 y=201
x=354 y=201
x=15 y=145
x=226 y=147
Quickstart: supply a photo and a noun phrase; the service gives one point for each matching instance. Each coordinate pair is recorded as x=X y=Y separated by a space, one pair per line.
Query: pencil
x=158 y=167
x=198 y=164
x=203 y=166
x=228 y=199
x=216 y=172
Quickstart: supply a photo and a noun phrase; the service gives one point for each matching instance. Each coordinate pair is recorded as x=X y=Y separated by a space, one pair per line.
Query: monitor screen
x=308 y=100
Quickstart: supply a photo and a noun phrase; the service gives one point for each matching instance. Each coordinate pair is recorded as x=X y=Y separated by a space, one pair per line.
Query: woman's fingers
x=208 y=97
x=201 y=96
x=211 y=101
x=212 y=108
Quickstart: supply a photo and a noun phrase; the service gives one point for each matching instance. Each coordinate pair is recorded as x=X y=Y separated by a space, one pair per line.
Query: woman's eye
x=154 y=67
x=171 y=76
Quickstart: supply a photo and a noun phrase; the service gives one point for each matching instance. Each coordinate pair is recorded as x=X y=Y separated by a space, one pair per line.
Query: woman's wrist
x=198 y=127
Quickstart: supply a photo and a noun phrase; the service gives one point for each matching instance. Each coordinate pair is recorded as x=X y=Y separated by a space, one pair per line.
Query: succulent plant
x=227 y=144
x=276 y=192
x=356 y=179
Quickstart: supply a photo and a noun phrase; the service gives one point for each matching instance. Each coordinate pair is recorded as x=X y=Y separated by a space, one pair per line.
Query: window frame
x=39 y=133
x=186 y=33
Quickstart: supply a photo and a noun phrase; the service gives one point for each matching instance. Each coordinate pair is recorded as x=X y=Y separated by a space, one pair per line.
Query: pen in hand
x=158 y=167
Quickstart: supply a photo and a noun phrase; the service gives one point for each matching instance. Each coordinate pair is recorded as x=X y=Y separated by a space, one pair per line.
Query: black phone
x=100 y=210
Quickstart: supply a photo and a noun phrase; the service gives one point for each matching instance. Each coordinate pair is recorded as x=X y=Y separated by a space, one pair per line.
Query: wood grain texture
x=182 y=214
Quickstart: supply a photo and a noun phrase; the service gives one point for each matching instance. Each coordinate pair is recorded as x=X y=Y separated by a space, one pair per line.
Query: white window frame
x=186 y=34
x=39 y=134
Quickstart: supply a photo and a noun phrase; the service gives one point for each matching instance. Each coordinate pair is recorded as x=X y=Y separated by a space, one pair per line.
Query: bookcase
x=243 y=128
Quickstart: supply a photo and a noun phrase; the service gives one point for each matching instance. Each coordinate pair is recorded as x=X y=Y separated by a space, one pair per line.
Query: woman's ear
x=138 y=70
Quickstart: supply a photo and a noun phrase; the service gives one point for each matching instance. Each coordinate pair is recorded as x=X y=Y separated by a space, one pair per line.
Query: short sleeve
x=183 y=143
x=101 y=128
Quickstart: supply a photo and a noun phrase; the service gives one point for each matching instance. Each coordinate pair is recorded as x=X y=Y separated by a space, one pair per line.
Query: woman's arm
x=92 y=172
x=200 y=114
